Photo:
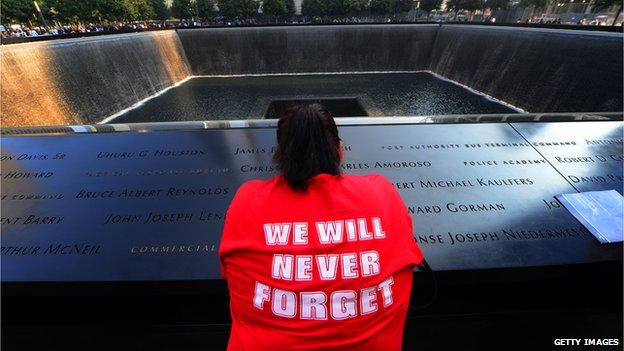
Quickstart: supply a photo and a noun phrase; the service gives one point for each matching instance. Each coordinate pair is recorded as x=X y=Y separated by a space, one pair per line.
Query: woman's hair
x=308 y=141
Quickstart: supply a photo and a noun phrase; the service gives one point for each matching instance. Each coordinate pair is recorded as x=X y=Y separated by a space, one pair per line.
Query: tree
x=356 y=6
x=313 y=8
x=605 y=4
x=16 y=11
x=538 y=4
x=430 y=5
x=182 y=9
x=205 y=8
x=238 y=8
x=161 y=11
x=74 y=11
x=290 y=6
x=336 y=8
x=381 y=7
x=274 y=8
x=497 y=4
x=143 y=10
x=400 y=6
x=468 y=5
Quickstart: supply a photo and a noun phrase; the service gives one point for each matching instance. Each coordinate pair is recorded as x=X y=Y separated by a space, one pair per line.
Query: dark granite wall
x=538 y=70
x=308 y=49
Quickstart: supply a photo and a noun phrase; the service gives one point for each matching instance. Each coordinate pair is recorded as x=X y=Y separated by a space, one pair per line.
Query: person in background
x=315 y=259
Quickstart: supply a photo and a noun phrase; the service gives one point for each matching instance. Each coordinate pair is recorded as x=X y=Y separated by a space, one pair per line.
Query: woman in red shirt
x=315 y=259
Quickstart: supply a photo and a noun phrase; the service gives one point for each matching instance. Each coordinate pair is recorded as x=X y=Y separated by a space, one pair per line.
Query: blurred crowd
x=19 y=31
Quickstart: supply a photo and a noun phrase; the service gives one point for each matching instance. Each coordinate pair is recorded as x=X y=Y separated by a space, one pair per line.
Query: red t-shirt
x=328 y=269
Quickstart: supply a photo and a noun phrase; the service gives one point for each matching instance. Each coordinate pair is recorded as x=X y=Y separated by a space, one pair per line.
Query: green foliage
x=238 y=8
x=183 y=9
x=74 y=11
x=605 y=4
x=16 y=11
x=205 y=8
x=537 y=3
x=390 y=6
x=143 y=10
x=314 y=8
x=116 y=10
x=400 y=6
x=468 y=5
x=336 y=8
x=356 y=6
x=161 y=11
x=430 y=5
x=290 y=6
x=497 y=4
x=275 y=7
x=381 y=6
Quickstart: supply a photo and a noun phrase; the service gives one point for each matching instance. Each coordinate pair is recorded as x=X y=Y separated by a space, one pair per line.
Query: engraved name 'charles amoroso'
x=347 y=166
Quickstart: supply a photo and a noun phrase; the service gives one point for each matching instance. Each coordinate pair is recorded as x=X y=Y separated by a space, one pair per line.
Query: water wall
x=538 y=70
x=78 y=81
x=81 y=81
x=309 y=49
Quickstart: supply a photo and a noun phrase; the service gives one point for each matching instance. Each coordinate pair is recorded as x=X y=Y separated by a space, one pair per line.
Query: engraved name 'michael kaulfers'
x=463 y=183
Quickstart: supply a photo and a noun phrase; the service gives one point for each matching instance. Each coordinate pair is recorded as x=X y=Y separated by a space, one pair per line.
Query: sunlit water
x=381 y=94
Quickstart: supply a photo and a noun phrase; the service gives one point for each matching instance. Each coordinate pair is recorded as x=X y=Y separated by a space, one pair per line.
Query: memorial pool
x=248 y=97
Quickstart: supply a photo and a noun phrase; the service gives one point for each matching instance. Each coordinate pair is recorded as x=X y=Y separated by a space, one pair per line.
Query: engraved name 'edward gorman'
x=457 y=208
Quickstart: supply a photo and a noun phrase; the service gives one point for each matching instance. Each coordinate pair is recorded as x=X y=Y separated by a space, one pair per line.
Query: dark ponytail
x=308 y=141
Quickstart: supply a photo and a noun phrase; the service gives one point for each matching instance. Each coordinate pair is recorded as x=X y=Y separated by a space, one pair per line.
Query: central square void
x=361 y=94
x=338 y=107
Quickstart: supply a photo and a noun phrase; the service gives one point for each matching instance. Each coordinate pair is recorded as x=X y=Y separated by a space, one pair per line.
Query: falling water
x=84 y=80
